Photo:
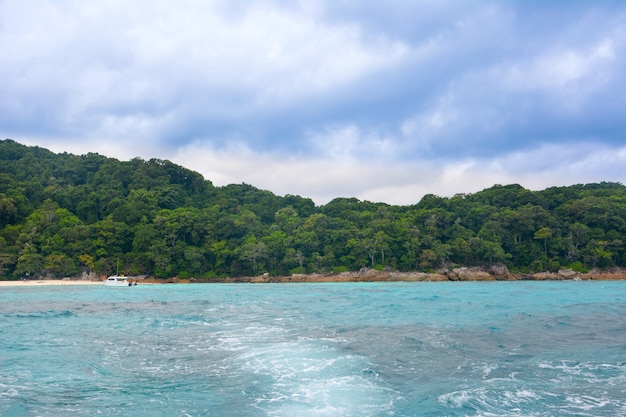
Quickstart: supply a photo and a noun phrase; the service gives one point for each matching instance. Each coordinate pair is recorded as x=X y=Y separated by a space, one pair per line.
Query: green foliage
x=61 y=214
x=578 y=267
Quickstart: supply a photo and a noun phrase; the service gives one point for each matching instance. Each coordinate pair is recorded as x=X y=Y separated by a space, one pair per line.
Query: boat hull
x=117 y=281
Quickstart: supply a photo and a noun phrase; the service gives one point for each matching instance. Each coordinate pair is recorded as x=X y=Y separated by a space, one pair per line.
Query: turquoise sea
x=349 y=349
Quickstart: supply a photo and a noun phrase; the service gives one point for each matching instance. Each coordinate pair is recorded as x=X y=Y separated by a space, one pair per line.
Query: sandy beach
x=38 y=282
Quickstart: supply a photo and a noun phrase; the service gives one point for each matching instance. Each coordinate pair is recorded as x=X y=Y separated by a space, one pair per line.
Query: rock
x=469 y=274
x=372 y=273
x=617 y=274
x=567 y=274
x=542 y=276
x=435 y=277
x=452 y=275
x=416 y=277
x=500 y=272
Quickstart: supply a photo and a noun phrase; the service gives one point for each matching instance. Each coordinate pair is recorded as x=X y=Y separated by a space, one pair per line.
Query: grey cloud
x=423 y=83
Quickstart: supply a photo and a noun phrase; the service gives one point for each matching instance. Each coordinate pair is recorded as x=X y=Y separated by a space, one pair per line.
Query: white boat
x=118 y=281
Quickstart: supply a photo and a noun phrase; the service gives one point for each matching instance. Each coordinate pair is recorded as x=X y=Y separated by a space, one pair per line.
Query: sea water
x=340 y=349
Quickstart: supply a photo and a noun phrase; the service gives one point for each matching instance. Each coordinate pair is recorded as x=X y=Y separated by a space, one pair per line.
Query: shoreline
x=48 y=282
x=455 y=275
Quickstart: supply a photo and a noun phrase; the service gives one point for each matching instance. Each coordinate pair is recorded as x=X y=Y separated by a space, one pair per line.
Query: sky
x=385 y=101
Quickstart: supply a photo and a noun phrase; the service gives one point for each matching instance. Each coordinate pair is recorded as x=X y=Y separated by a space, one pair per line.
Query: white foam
x=300 y=376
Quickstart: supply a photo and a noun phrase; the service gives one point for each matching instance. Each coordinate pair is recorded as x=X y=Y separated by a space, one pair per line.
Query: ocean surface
x=340 y=349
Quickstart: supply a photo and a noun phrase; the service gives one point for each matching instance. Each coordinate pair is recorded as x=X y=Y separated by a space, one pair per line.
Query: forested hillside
x=62 y=214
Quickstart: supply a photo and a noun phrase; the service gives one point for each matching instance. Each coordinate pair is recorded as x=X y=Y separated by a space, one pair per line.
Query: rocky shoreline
x=496 y=273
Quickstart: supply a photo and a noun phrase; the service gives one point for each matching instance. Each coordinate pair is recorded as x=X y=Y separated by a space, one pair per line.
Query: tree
x=29 y=263
x=287 y=219
x=276 y=244
x=300 y=260
x=137 y=205
x=87 y=260
x=60 y=265
x=428 y=258
x=6 y=257
x=8 y=210
x=544 y=233
x=221 y=254
x=596 y=251
x=577 y=236
x=253 y=251
x=494 y=252
x=158 y=218
x=194 y=261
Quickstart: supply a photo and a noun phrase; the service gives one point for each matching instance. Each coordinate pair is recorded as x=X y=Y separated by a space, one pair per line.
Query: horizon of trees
x=64 y=214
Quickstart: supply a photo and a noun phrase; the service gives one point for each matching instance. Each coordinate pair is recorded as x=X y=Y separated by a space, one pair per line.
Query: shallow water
x=353 y=349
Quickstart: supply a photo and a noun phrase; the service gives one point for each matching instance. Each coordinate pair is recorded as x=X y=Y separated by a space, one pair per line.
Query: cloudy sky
x=379 y=100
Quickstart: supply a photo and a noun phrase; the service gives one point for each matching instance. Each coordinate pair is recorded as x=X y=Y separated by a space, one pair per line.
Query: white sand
x=48 y=282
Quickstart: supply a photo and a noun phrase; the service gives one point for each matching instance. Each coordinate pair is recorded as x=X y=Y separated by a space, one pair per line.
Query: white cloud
x=513 y=96
x=351 y=143
x=324 y=99
x=569 y=72
x=145 y=51
x=404 y=183
x=149 y=71
x=439 y=121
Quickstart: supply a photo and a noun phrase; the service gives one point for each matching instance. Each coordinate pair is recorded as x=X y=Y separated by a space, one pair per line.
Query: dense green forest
x=64 y=214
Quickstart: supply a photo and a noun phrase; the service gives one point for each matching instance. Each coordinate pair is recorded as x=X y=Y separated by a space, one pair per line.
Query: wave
x=48 y=314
